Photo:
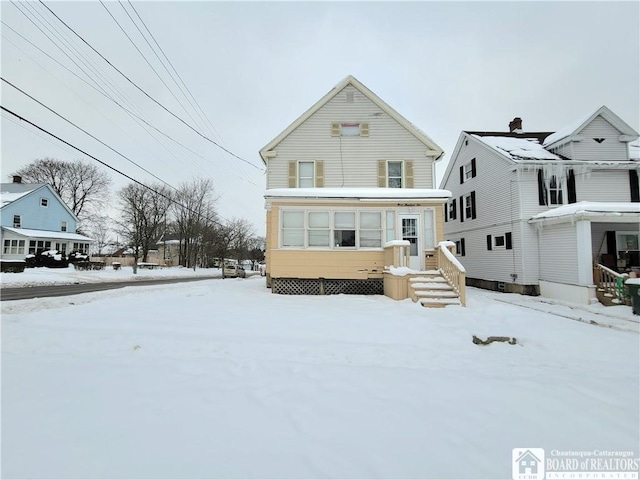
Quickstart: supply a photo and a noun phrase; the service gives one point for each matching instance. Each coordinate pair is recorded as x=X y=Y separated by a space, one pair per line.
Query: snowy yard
x=222 y=379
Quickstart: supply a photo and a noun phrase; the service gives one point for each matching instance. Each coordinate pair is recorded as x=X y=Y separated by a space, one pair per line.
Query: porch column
x=584 y=252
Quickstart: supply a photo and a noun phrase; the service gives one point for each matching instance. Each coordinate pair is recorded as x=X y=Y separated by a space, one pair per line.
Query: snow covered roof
x=8 y=197
x=28 y=232
x=577 y=126
x=624 y=212
x=518 y=148
x=359 y=193
x=10 y=192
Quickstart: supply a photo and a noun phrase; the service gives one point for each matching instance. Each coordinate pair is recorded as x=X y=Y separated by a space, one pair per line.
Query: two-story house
x=535 y=212
x=34 y=218
x=345 y=179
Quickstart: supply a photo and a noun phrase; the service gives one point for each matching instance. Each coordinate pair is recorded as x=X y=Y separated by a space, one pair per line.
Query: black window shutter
x=461 y=174
x=473 y=204
x=633 y=183
x=489 y=243
x=473 y=167
x=461 y=210
x=453 y=212
x=571 y=187
x=542 y=189
x=446 y=212
x=611 y=243
x=507 y=241
x=462 y=246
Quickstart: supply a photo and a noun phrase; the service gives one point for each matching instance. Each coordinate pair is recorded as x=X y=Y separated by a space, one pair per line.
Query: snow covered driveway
x=222 y=379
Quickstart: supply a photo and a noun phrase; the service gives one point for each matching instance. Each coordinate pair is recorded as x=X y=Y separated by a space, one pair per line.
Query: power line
x=83 y=130
x=172 y=200
x=146 y=94
x=109 y=97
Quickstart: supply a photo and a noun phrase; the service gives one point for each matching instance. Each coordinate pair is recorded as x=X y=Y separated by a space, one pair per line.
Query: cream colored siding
x=350 y=161
x=559 y=263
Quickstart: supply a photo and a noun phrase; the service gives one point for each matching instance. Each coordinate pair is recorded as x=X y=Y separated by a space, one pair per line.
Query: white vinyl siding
x=604 y=186
x=611 y=149
x=559 y=262
x=351 y=161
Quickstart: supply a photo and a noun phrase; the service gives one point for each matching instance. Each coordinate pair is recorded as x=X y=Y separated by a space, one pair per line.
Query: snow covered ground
x=222 y=379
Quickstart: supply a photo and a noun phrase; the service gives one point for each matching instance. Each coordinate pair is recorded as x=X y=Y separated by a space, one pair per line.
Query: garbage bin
x=633 y=284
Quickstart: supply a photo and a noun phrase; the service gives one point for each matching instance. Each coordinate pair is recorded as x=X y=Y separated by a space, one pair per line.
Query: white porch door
x=410 y=228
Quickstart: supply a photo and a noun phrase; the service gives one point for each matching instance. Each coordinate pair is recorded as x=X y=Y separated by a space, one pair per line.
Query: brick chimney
x=17 y=179
x=515 y=125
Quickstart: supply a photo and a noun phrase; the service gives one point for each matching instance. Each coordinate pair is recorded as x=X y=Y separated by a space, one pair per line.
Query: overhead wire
x=172 y=200
x=147 y=94
x=135 y=116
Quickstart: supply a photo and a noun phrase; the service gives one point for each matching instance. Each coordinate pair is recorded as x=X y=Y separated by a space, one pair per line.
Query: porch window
x=370 y=229
x=318 y=233
x=293 y=228
x=13 y=247
x=36 y=246
x=81 y=247
x=391 y=226
x=17 y=221
x=344 y=234
x=628 y=245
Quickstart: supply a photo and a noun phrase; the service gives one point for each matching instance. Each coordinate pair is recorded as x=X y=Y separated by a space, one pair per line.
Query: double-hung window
x=344 y=233
x=63 y=226
x=318 y=231
x=555 y=191
x=17 y=221
x=468 y=171
x=293 y=228
x=305 y=175
x=394 y=174
x=468 y=206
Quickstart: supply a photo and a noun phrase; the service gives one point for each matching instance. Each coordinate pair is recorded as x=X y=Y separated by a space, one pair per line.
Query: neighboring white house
x=34 y=218
x=534 y=212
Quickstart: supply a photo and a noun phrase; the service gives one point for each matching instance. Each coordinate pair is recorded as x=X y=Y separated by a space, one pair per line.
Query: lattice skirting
x=308 y=286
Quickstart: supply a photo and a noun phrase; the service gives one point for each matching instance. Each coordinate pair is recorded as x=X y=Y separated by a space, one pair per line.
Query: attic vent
x=349 y=97
x=599 y=140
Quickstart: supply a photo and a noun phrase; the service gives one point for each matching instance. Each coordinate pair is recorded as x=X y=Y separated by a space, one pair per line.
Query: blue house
x=34 y=218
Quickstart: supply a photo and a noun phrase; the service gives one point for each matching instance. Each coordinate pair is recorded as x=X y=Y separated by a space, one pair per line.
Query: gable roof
x=12 y=192
x=351 y=80
x=522 y=148
x=562 y=135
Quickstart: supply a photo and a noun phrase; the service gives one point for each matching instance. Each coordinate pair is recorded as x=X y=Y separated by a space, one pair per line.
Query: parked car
x=234 y=270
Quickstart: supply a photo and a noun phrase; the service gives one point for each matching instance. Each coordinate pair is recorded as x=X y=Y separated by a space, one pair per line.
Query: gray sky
x=255 y=67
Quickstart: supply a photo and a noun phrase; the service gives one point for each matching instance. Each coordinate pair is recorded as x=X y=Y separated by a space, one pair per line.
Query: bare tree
x=143 y=216
x=81 y=185
x=99 y=228
x=194 y=218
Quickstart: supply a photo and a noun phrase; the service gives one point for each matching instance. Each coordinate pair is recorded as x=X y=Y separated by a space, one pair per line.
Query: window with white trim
x=334 y=229
x=17 y=221
x=63 y=226
x=36 y=246
x=81 y=247
x=394 y=174
x=13 y=247
x=468 y=171
x=498 y=241
x=555 y=191
x=460 y=250
x=468 y=206
x=305 y=174
x=293 y=228
x=318 y=233
x=344 y=229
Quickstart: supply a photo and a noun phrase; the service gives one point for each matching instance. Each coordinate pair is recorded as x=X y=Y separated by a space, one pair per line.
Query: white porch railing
x=610 y=287
x=452 y=270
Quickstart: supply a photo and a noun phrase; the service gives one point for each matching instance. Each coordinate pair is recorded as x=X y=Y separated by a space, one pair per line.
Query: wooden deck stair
x=432 y=290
